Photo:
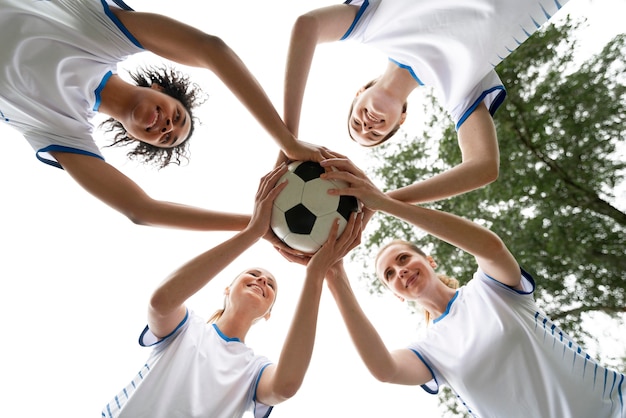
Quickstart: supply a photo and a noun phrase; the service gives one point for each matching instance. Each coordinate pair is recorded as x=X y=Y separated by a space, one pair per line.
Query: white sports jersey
x=451 y=45
x=195 y=372
x=504 y=358
x=56 y=57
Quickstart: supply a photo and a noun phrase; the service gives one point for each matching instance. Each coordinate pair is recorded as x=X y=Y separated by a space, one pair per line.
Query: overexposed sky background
x=76 y=275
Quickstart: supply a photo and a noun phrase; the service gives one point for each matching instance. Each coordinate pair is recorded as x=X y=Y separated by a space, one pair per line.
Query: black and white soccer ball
x=304 y=212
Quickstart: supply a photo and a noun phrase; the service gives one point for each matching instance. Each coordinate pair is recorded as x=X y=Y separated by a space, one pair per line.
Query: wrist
x=251 y=234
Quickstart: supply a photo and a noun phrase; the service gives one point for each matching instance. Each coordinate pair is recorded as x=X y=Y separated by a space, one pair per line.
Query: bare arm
x=167 y=307
x=322 y=25
x=282 y=380
x=399 y=366
x=115 y=189
x=187 y=45
x=490 y=252
x=479 y=166
x=327 y=24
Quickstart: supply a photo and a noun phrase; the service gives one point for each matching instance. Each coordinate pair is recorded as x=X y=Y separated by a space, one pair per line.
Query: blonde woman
x=488 y=340
x=206 y=370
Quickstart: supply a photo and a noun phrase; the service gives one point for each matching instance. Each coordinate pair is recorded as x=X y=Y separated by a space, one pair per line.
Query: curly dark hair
x=174 y=84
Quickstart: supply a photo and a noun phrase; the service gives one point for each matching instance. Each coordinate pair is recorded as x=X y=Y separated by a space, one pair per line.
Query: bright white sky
x=76 y=275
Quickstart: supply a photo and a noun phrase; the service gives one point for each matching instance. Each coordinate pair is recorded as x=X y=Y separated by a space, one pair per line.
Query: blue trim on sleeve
x=364 y=6
x=99 y=89
x=619 y=389
x=117 y=22
x=525 y=274
x=147 y=329
x=495 y=105
x=122 y=5
x=269 y=411
x=256 y=385
x=62 y=148
x=425 y=386
x=492 y=109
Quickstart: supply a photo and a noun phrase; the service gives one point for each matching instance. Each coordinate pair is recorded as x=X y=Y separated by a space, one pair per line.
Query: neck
x=397 y=81
x=436 y=304
x=234 y=326
x=115 y=96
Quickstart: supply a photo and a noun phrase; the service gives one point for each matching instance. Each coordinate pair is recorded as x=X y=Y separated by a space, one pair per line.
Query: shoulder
x=482 y=279
x=148 y=339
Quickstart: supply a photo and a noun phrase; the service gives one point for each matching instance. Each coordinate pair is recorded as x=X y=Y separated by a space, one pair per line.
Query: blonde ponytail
x=216 y=315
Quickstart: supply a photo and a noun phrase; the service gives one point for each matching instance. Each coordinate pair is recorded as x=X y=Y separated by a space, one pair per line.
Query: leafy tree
x=560 y=130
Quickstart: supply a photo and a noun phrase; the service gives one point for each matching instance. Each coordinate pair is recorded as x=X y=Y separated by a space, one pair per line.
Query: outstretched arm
x=479 y=166
x=490 y=252
x=282 y=380
x=327 y=24
x=187 y=45
x=112 y=187
x=399 y=366
x=167 y=308
x=322 y=25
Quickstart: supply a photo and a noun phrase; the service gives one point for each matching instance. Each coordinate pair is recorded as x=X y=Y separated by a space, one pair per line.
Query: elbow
x=490 y=170
x=212 y=52
x=481 y=173
x=157 y=302
x=135 y=217
x=382 y=376
x=137 y=220
x=161 y=303
x=216 y=42
x=140 y=211
x=305 y=25
x=495 y=246
x=287 y=391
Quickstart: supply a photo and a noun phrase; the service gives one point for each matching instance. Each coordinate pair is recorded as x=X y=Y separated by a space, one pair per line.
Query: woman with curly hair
x=59 y=68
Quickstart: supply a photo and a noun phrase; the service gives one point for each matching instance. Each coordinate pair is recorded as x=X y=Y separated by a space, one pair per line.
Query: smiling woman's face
x=158 y=119
x=405 y=272
x=255 y=288
x=374 y=115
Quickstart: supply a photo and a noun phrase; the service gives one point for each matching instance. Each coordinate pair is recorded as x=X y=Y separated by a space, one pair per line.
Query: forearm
x=326 y=24
x=186 y=45
x=297 y=349
x=174 y=215
x=465 y=177
x=366 y=339
x=455 y=230
x=299 y=58
x=480 y=163
x=113 y=188
x=282 y=158
x=236 y=76
x=199 y=271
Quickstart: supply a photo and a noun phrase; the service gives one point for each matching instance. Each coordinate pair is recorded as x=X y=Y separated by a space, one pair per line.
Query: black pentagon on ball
x=347 y=205
x=300 y=219
x=309 y=170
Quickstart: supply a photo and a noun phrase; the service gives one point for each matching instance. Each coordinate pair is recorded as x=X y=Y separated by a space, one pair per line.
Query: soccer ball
x=304 y=212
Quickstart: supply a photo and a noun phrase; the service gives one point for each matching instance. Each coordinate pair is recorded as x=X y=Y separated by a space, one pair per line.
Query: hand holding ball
x=304 y=212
